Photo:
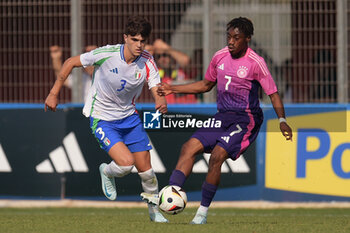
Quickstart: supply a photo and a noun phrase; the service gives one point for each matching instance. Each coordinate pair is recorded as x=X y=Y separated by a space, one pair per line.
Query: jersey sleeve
x=94 y=57
x=211 y=73
x=264 y=77
x=153 y=77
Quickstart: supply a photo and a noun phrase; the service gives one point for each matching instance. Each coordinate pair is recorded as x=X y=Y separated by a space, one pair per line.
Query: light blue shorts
x=128 y=130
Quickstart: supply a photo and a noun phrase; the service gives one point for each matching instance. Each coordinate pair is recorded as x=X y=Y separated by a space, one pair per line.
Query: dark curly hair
x=138 y=25
x=243 y=24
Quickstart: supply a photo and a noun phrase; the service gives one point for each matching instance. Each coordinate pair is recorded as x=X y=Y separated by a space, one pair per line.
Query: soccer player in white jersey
x=119 y=76
x=238 y=72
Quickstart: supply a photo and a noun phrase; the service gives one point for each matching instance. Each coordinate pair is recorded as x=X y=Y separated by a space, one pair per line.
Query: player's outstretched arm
x=160 y=101
x=279 y=109
x=191 y=88
x=51 y=101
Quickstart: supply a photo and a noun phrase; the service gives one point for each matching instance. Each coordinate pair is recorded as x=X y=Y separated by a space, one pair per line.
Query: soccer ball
x=172 y=199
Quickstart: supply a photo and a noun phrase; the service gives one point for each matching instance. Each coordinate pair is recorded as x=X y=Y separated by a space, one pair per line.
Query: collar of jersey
x=247 y=52
x=122 y=54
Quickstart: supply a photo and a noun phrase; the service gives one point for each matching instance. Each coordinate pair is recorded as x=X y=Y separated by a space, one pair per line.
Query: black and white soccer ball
x=172 y=199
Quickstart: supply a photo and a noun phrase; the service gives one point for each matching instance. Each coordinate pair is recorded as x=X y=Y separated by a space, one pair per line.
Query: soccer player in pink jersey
x=238 y=73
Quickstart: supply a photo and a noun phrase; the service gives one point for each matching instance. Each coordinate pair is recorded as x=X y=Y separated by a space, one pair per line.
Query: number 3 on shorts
x=100 y=131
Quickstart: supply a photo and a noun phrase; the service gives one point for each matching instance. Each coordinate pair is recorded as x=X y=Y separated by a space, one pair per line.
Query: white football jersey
x=115 y=84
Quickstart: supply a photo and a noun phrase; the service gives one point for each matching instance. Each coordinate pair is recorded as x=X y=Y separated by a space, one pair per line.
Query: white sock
x=203 y=210
x=149 y=181
x=114 y=170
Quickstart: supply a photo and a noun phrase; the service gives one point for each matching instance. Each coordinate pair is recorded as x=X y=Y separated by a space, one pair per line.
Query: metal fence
x=304 y=42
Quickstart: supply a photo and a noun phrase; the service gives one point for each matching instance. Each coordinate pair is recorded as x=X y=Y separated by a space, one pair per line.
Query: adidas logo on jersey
x=226 y=138
x=221 y=67
x=115 y=70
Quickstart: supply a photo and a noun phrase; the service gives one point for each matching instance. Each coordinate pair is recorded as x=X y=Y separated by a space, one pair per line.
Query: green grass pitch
x=130 y=220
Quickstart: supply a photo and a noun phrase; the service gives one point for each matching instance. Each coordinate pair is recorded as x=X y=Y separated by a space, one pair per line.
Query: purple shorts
x=238 y=130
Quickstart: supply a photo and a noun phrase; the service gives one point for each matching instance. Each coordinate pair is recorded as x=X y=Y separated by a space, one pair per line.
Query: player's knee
x=185 y=148
x=125 y=170
x=192 y=147
x=126 y=161
x=115 y=170
x=217 y=159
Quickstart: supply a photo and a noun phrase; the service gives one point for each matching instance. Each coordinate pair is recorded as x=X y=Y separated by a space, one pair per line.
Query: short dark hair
x=243 y=24
x=138 y=25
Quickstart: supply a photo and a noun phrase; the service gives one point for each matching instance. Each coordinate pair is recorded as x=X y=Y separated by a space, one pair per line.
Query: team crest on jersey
x=242 y=72
x=106 y=141
x=138 y=74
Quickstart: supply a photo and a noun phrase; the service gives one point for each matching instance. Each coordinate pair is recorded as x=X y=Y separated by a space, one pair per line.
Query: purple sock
x=208 y=193
x=177 y=178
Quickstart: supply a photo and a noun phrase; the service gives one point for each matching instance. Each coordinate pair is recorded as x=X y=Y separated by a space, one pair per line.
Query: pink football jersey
x=238 y=80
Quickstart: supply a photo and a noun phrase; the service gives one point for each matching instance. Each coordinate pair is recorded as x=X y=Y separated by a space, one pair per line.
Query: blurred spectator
x=172 y=65
x=56 y=58
x=324 y=89
x=286 y=77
